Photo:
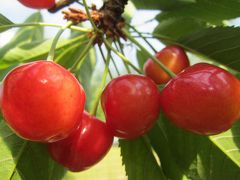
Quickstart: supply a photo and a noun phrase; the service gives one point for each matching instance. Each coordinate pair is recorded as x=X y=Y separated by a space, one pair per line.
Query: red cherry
x=42 y=101
x=131 y=105
x=1 y=94
x=173 y=57
x=85 y=147
x=38 y=4
x=204 y=99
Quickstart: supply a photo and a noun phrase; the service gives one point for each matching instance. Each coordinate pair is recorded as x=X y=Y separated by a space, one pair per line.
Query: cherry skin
x=173 y=57
x=42 y=101
x=85 y=147
x=38 y=4
x=131 y=105
x=204 y=99
x=1 y=93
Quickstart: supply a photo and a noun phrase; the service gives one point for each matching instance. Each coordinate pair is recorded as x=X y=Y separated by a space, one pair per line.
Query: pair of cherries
x=42 y=101
x=202 y=98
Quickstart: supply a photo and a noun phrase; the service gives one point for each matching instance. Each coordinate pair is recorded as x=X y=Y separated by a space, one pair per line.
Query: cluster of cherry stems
x=42 y=101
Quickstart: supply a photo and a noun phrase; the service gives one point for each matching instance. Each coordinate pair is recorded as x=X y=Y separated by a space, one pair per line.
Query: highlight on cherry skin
x=85 y=147
x=203 y=99
x=38 y=4
x=42 y=101
x=131 y=105
x=173 y=57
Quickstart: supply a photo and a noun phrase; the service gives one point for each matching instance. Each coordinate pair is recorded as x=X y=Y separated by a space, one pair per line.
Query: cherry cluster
x=42 y=101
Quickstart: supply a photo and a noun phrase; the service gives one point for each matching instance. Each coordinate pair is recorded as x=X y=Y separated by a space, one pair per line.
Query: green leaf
x=229 y=143
x=30 y=34
x=16 y=176
x=68 y=55
x=139 y=160
x=160 y=4
x=186 y=155
x=38 y=51
x=35 y=50
x=141 y=58
x=213 y=164
x=85 y=75
x=220 y=44
x=213 y=11
x=20 y=159
x=178 y=27
x=4 y=21
x=4 y=70
x=35 y=160
x=94 y=90
x=163 y=143
x=25 y=35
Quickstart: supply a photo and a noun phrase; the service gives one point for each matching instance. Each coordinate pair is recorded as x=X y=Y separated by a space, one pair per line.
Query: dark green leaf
x=164 y=147
x=178 y=27
x=212 y=163
x=160 y=4
x=220 y=44
x=184 y=154
x=139 y=161
x=213 y=11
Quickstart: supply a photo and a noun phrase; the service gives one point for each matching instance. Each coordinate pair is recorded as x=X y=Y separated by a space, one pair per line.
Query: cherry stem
x=120 y=49
x=82 y=4
x=142 y=37
x=145 y=22
x=81 y=29
x=108 y=45
x=102 y=85
x=115 y=65
x=77 y=28
x=146 y=52
x=90 y=17
x=105 y=61
x=60 y=4
x=55 y=41
x=82 y=55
